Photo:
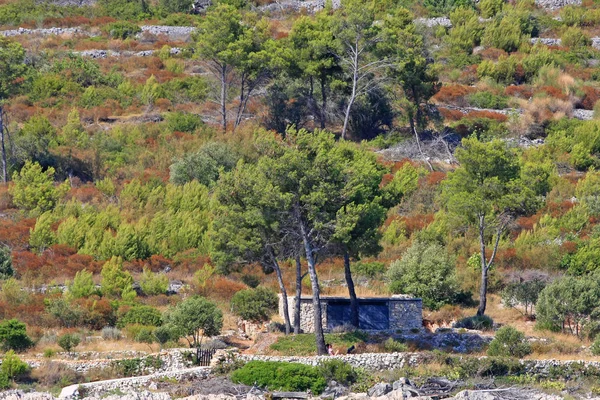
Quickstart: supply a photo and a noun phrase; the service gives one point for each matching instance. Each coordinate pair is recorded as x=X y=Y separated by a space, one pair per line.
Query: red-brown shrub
x=520 y=91
x=590 y=97
x=453 y=94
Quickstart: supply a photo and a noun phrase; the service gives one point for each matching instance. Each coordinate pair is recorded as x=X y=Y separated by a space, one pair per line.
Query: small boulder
x=402 y=382
x=380 y=389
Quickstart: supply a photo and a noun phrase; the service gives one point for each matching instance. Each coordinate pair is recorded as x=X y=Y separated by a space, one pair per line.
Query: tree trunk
x=413 y=126
x=3 y=148
x=486 y=264
x=323 y=103
x=224 y=97
x=353 y=299
x=286 y=312
x=298 y=296
x=354 y=88
x=316 y=299
x=484 y=268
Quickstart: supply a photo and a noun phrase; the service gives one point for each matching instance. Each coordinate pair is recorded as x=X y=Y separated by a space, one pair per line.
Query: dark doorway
x=373 y=314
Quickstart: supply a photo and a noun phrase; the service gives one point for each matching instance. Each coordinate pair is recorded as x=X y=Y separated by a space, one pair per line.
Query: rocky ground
x=220 y=388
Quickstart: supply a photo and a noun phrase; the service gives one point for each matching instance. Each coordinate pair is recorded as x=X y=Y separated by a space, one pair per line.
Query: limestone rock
x=556 y=4
x=380 y=389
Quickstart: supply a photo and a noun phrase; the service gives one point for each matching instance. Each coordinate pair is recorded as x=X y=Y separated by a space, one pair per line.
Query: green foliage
x=137 y=366
x=183 y=122
x=567 y=304
x=151 y=91
x=442 y=7
x=42 y=236
x=523 y=293
x=126 y=9
x=115 y=281
x=153 y=284
x=405 y=182
x=339 y=371
x=480 y=323
x=466 y=30
x=509 y=342
x=142 y=315
x=256 y=305
x=176 y=6
x=370 y=269
x=12 y=366
x=122 y=30
x=280 y=376
x=572 y=15
x=6 y=266
x=13 y=336
x=12 y=66
x=83 y=285
x=427 y=271
x=205 y=165
x=4 y=381
x=504 y=33
x=73 y=132
x=595 y=347
x=489 y=8
x=304 y=344
x=68 y=341
x=196 y=317
x=503 y=71
x=486 y=99
x=585 y=260
x=574 y=38
x=394 y=346
x=34 y=189
x=163 y=334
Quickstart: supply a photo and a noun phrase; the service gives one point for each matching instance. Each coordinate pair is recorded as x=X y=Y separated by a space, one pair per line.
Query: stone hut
x=396 y=313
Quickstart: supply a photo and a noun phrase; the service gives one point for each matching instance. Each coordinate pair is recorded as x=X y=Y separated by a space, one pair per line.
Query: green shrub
x=83 y=285
x=12 y=366
x=251 y=280
x=394 y=346
x=370 y=269
x=122 y=30
x=4 y=381
x=49 y=353
x=126 y=9
x=487 y=100
x=153 y=284
x=256 y=305
x=574 y=38
x=13 y=335
x=509 y=342
x=6 y=268
x=477 y=322
x=143 y=315
x=427 y=271
x=183 y=122
x=504 y=33
x=339 y=371
x=489 y=8
x=572 y=15
x=280 y=376
x=68 y=341
x=595 y=347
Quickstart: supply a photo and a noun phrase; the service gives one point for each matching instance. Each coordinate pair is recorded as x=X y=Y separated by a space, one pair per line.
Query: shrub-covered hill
x=213 y=157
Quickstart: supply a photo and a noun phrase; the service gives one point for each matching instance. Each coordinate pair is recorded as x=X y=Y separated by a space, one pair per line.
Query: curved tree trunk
x=286 y=312
x=354 y=307
x=314 y=280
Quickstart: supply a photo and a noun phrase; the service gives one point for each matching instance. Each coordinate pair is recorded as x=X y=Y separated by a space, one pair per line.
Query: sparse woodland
x=357 y=151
